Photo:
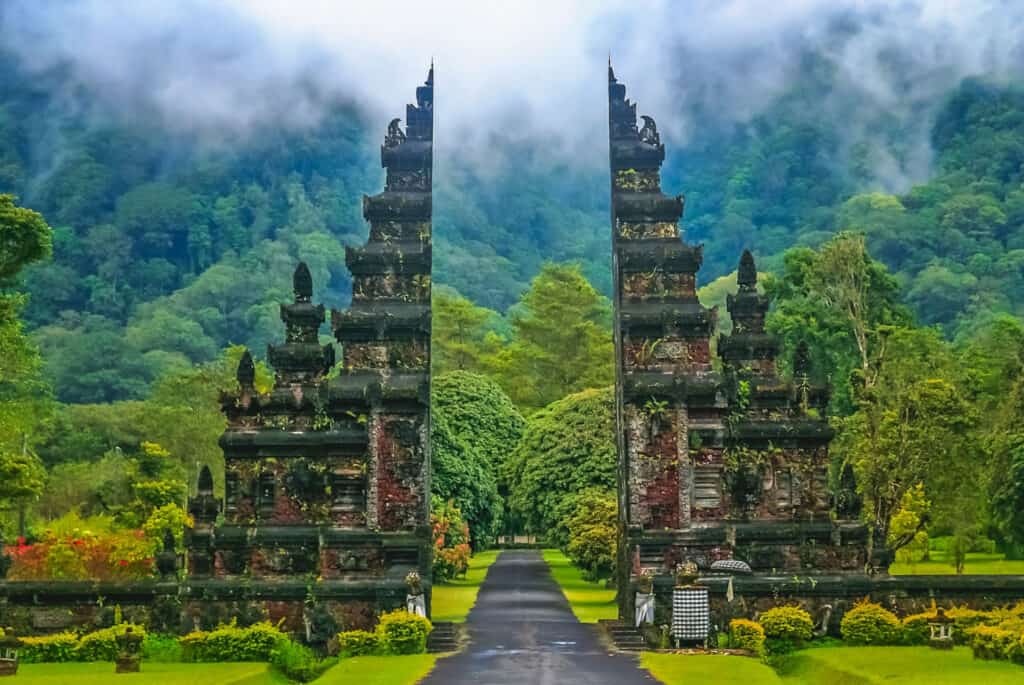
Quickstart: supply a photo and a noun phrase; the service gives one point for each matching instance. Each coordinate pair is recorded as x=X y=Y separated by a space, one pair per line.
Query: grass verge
x=711 y=668
x=365 y=670
x=165 y=674
x=452 y=601
x=589 y=601
x=838 y=666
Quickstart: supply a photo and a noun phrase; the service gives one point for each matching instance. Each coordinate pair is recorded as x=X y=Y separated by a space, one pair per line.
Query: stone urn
x=129 y=651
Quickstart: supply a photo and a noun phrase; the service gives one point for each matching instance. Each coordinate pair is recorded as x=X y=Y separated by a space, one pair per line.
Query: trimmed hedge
x=871 y=624
x=744 y=634
x=231 y=643
x=358 y=643
x=995 y=642
x=787 y=623
x=403 y=633
x=59 y=647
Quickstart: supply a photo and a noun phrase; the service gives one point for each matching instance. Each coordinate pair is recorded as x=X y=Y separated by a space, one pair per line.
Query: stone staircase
x=623 y=636
x=443 y=638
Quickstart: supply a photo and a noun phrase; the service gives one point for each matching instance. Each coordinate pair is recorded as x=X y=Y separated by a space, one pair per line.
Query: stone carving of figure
x=649 y=133
x=395 y=136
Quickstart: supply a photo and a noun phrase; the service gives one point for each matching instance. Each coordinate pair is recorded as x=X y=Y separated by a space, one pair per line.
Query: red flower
x=21 y=540
x=122 y=562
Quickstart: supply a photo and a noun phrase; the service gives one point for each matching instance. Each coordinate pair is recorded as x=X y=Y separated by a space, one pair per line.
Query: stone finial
x=746 y=274
x=205 y=486
x=430 y=75
x=302 y=283
x=802 y=360
x=246 y=371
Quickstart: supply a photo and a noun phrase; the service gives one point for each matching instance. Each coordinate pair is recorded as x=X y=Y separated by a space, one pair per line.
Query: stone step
x=444 y=638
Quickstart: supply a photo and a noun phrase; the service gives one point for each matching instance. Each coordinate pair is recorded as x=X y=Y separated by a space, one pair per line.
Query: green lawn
x=164 y=674
x=976 y=563
x=453 y=600
x=365 y=670
x=838 y=666
x=590 y=601
x=379 y=670
x=712 y=668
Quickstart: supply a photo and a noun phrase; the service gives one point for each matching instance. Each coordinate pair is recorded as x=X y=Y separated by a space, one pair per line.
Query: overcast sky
x=525 y=70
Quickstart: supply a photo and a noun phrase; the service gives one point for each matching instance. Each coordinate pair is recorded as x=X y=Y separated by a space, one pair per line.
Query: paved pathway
x=522 y=631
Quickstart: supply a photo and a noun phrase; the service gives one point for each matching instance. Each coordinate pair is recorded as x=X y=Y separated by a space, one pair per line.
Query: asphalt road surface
x=522 y=632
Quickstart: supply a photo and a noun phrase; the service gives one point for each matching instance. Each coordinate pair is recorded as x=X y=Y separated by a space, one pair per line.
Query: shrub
x=994 y=642
x=297 y=661
x=48 y=648
x=358 y=643
x=231 y=643
x=787 y=623
x=870 y=624
x=403 y=633
x=744 y=634
x=451 y=540
x=592 y=533
x=161 y=648
x=101 y=645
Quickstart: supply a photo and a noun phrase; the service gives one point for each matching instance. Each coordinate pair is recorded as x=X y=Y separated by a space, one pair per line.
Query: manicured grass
x=994 y=564
x=712 y=668
x=838 y=666
x=590 y=601
x=453 y=600
x=164 y=674
x=379 y=670
x=364 y=670
x=903 y=665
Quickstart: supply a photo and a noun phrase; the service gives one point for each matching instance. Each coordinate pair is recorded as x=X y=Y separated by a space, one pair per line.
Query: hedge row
x=100 y=645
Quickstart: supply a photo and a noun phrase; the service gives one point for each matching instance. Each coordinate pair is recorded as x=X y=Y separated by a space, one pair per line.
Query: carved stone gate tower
x=327 y=479
x=719 y=459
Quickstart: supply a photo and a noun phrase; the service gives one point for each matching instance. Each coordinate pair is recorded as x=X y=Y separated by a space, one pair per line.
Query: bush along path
x=523 y=631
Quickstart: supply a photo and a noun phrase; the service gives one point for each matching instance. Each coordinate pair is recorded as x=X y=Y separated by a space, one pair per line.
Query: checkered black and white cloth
x=691 y=615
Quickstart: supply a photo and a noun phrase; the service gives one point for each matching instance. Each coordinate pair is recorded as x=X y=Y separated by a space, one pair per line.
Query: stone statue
x=395 y=136
x=649 y=133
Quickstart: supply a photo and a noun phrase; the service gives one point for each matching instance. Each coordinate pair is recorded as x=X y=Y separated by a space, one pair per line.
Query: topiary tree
x=568 y=447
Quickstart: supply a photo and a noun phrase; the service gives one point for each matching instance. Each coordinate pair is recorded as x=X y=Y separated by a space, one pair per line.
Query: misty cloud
x=527 y=72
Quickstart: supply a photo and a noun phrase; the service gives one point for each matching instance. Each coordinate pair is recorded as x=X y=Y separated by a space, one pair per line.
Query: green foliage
x=161 y=648
x=25 y=237
x=231 y=643
x=400 y=632
x=475 y=428
x=592 y=533
x=298 y=662
x=358 y=643
x=870 y=624
x=561 y=339
x=787 y=623
x=568 y=447
x=744 y=634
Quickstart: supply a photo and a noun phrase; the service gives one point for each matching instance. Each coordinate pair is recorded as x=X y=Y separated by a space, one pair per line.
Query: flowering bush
x=451 y=541
x=69 y=552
